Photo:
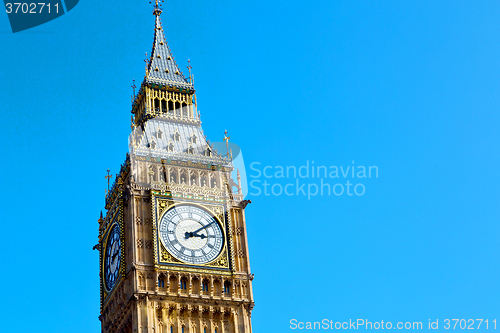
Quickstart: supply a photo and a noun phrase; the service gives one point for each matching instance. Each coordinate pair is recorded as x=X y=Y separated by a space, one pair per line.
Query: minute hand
x=204 y=227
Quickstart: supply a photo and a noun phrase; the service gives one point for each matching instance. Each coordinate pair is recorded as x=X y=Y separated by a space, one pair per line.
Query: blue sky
x=412 y=87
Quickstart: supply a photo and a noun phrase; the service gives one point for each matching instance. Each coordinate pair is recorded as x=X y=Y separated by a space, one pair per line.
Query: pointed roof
x=162 y=68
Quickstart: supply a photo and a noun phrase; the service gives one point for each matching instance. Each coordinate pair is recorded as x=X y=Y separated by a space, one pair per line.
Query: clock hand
x=192 y=234
x=195 y=233
x=201 y=236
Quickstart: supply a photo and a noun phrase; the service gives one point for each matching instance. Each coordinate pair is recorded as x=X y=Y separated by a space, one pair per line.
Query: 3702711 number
x=468 y=324
x=31 y=8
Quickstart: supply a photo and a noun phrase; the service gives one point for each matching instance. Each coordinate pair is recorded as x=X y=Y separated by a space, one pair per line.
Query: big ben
x=173 y=244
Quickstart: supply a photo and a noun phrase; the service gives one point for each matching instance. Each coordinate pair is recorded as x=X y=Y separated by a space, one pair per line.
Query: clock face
x=112 y=257
x=191 y=234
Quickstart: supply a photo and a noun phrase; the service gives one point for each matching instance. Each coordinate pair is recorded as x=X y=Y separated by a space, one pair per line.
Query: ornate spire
x=162 y=68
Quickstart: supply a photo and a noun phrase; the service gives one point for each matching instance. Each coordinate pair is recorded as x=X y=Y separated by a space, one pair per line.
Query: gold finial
x=133 y=84
x=226 y=138
x=108 y=177
x=157 y=8
x=147 y=62
x=189 y=68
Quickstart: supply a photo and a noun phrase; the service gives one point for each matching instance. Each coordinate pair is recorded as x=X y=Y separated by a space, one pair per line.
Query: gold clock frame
x=160 y=204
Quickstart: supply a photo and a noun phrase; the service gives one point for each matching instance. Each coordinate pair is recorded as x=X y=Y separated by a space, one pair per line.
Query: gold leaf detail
x=221 y=262
x=167 y=257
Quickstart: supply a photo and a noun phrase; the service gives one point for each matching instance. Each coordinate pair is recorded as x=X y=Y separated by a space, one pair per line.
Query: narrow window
x=182 y=329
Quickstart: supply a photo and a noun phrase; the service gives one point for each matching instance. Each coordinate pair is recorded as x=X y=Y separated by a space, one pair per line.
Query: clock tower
x=173 y=246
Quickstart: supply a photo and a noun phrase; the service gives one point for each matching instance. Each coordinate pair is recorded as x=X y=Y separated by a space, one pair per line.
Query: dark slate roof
x=162 y=66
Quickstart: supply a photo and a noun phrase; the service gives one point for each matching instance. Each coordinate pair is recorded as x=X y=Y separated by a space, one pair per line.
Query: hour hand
x=202 y=236
x=187 y=235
